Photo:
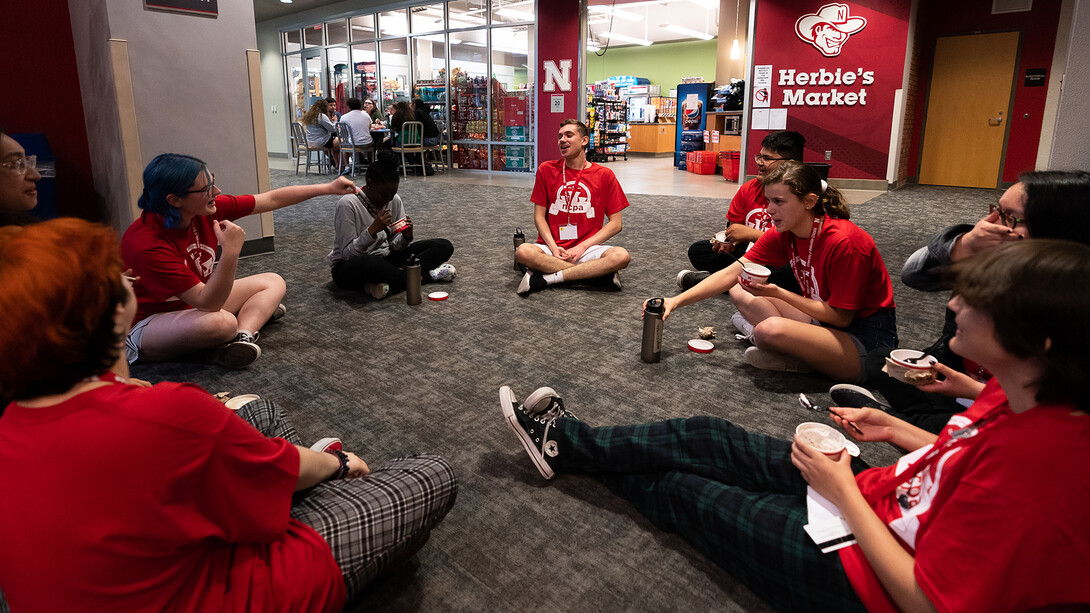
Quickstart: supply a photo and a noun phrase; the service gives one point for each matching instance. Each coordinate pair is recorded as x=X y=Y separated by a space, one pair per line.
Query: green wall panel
x=664 y=64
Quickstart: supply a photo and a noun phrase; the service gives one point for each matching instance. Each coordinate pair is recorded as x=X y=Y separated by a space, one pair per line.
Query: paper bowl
x=826 y=439
x=918 y=372
x=754 y=273
x=700 y=345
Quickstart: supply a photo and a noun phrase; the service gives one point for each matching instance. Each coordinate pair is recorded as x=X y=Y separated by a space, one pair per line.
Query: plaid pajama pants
x=367 y=522
x=732 y=494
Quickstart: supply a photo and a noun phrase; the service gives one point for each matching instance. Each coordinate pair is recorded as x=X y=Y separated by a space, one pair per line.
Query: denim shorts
x=879 y=329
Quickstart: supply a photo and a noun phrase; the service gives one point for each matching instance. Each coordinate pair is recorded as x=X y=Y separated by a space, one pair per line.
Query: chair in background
x=412 y=143
x=349 y=146
x=303 y=149
x=439 y=150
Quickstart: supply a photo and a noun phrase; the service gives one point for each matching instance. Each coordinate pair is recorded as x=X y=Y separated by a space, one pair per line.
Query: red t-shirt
x=170 y=261
x=588 y=196
x=750 y=207
x=998 y=519
x=847 y=271
x=154 y=499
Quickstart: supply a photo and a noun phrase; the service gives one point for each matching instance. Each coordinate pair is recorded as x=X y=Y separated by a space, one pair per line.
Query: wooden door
x=967 y=119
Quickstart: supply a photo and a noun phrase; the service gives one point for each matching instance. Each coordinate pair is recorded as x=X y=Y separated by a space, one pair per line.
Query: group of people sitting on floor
x=169 y=501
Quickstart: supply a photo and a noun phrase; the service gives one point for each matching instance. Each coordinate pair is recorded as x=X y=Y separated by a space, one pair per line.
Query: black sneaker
x=686 y=279
x=853 y=396
x=532 y=421
x=239 y=353
x=531 y=282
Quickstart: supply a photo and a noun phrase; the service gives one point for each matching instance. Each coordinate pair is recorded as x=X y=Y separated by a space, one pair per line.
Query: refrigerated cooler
x=692 y=117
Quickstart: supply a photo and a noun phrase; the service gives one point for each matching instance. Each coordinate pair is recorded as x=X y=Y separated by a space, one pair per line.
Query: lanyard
x=196 y=241
x=570 y=195
x=804 y=280
x=929 y=458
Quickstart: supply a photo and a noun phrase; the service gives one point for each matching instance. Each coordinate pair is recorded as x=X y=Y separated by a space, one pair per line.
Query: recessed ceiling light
x=285 y=1
x=627 y=39
x=686 y=31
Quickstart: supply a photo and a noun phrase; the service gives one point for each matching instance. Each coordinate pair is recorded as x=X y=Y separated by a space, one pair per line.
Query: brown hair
x=320 y=107
x=62 y=284
x=579 y=126
x=802 y=179
x=1036 y=293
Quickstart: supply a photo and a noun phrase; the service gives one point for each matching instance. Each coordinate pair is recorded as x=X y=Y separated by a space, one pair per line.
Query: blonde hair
x=802 y=179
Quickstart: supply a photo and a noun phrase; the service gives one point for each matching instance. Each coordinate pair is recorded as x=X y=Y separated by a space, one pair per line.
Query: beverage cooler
x=692 y=112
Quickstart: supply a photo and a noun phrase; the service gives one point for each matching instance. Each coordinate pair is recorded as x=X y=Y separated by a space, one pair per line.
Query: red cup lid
x=437 y=296
x=700 y=345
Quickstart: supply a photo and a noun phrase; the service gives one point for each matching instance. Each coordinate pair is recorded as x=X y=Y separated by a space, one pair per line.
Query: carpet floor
x=391 y=379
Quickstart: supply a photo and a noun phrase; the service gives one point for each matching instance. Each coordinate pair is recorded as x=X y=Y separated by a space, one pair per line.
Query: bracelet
x=342 y=457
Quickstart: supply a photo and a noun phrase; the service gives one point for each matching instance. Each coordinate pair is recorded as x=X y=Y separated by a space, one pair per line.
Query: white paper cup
x=754 y=273
x=826 y=439
x=916 y=372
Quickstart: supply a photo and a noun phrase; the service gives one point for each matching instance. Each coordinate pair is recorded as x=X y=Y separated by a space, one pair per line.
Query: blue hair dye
x=169 y=173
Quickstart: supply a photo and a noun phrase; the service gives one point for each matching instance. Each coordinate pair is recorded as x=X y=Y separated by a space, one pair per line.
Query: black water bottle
x=412 y=281
x=518 y=240
x=652 y=331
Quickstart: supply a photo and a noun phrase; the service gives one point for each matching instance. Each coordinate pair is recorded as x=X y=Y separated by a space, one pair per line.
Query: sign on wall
x=830 y=70
x=205 y=8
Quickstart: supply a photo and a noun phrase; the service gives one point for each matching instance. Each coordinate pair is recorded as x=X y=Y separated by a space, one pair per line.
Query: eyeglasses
x=764 y=158
x=206 y=190
x=23 y=164
x=1008 y=220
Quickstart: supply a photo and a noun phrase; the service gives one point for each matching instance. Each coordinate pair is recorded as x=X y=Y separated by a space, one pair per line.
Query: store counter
x=651 y=138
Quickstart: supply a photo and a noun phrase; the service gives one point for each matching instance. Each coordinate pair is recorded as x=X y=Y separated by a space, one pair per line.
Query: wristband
x=342 y=471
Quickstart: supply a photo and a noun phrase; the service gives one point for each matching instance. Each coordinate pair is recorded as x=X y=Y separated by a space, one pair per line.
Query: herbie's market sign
x=806 y=82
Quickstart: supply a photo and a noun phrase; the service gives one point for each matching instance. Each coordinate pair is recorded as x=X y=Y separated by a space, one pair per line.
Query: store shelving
x=609 y=129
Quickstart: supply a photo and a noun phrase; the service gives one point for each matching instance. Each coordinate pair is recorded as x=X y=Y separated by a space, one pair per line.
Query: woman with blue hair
x=185 y=301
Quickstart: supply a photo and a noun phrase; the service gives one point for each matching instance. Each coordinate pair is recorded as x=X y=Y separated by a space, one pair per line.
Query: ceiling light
x=627 y=39
x=735 y=50
x=616 y=13
x=686 y=31
x=593 y=47
x=286 y=1
x=708 y=4
x=513 y=14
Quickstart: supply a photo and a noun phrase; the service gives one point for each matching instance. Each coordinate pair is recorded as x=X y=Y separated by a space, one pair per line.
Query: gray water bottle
x=519 y=239
x=412 y=280
x=652 y=331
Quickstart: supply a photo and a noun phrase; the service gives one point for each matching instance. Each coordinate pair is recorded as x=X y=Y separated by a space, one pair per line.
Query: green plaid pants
x=732 y=494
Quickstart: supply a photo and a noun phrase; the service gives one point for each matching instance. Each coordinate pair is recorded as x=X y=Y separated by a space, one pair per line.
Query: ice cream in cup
x=754 y=273
x=910 y=366
x=826 y=439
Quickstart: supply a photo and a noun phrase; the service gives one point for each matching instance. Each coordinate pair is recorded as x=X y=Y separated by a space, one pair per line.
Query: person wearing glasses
x=18 y=183
x=1042 y=204
x=747 y=220
x=186 y=301
x=987 y=515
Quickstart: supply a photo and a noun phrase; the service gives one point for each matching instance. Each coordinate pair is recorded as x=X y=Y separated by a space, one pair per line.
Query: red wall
x=1038 y=28
x=40 y=93
x=557 y=39
x=858 y=135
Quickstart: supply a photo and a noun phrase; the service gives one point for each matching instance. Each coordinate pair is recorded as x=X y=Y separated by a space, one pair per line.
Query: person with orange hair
x=163 y=498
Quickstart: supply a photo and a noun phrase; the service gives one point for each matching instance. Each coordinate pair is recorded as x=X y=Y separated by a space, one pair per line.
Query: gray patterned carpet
x=391 y=379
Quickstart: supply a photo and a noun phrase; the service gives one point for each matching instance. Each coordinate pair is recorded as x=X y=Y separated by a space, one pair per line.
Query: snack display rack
x=608 y=124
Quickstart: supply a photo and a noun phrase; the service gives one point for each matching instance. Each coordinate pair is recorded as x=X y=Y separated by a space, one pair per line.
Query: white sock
x=556 y=277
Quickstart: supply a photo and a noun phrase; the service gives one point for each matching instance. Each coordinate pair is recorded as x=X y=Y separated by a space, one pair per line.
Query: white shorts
x=592 y=253
x=136 y=338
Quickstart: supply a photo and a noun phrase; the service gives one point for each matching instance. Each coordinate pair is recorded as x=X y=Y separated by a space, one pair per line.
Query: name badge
x=569 y=232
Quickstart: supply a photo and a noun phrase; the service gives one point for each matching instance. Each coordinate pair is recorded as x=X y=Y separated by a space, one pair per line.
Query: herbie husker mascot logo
x=829 y=28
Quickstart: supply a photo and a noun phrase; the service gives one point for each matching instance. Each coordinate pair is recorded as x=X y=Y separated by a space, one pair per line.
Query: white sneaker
x=377 y=291
x=686 y=279
x=444 y=272
x=745 y=329
x=240 y=401
x=774 y=360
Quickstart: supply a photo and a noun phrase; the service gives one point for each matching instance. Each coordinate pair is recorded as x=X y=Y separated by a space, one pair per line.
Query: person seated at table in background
x=422 y=113
x=747 y=220
x=370 y=247
x=18 y=183
x=373 y=111
x=321 y=132
x=165 y=499
x=334 y=113
x=990 y=515
x=1042 y=204
x=846 y=306
x=572 y=199
x=402 y=112
x=359 y=123
x=187 y=302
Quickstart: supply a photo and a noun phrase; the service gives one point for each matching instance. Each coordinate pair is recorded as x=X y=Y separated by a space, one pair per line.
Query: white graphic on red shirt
x=574 y=198
x=203 y=257
x=804 y=273
x=916 y=495
x=759 y=219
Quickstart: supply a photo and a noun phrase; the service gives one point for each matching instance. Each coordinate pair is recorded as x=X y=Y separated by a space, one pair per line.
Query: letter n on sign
x=557 y=78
